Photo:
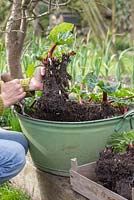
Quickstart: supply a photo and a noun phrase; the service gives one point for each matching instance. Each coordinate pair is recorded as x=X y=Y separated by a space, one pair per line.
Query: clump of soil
x=116 y=171
x=54 y=104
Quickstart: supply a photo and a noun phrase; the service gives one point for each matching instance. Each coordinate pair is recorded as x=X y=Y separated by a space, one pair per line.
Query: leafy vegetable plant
x=60 y=35
x=91 y=81
x=98 y=90
x=123 y=141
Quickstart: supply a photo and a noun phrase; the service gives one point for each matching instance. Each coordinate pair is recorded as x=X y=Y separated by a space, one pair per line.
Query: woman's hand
x=12 y=92
x=36 y=82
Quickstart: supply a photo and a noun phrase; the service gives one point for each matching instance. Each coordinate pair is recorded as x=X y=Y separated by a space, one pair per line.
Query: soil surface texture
x=55 y=105
x=116 y=171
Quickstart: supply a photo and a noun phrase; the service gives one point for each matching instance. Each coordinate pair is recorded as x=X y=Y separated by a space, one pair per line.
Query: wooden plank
x=91 y=189
x=88 y=170
x=132 y=193
x=74 y=165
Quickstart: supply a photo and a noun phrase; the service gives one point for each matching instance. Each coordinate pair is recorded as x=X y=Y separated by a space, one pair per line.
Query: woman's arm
x=13 y=91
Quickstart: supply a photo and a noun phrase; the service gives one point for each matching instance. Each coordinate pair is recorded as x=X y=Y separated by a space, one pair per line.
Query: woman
x=14 y=145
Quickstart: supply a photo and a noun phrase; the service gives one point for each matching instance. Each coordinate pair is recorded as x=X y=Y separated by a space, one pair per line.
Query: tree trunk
x=113 y=21
x=132 y=24
x=15 y=35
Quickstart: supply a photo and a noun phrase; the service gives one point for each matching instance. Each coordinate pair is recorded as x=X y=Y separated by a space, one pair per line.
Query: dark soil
x=54 y=104
x=70 y=111
x=116 y=171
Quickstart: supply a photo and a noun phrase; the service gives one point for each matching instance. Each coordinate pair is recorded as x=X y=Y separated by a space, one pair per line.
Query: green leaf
x=79 y=79
x=90 y=80
x=95 y=97
x=124 y=92
x=30 y=70
x=125 y=51
x=121 y=140
x=101 y=84
x=106 y=87
x=76 y=89
x=61 y=34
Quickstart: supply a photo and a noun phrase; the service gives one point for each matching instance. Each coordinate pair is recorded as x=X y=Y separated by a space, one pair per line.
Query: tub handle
x=130 y=114
x=127 y=116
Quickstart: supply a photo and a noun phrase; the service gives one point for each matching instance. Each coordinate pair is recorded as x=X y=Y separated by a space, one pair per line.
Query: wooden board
x=83 y=180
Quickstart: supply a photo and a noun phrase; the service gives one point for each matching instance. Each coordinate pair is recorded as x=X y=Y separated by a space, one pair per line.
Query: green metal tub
x=53 y=144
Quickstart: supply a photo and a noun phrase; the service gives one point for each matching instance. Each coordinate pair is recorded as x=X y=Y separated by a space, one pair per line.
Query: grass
x=8 y=192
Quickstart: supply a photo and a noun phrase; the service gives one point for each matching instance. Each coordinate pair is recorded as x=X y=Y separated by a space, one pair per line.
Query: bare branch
x=37 y=16
x=49 y=7
x=17 y=31
x=30 y=18
x=55 y=4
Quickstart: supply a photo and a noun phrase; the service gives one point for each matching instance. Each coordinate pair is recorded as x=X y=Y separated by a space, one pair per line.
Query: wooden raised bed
x=84 y=181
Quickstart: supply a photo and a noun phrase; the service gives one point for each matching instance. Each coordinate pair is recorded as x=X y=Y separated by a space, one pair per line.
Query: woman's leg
x=14 y=136
x=13 y=147
x=12 y=159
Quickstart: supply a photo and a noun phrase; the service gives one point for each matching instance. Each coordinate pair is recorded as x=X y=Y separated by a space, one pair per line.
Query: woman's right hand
x=12 y=92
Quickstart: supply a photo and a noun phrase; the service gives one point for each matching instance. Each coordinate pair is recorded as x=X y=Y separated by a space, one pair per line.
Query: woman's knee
x=15 y=136
x=12 y=159
x=20 y=138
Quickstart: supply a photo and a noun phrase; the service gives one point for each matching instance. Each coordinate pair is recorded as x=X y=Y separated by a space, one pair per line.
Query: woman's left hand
x=36 y=82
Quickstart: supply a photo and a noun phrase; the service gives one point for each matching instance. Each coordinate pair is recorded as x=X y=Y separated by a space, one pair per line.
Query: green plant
x=118 y=66
x=14 y=122
x=77 y=93
x=4 y=119
x=8 y=192
x=132 y=76
x=85 y=89
x=60 y=35
x=9 y=120
x=123 y=141
x=122 y=42
x=107 y=88
x=91 y=88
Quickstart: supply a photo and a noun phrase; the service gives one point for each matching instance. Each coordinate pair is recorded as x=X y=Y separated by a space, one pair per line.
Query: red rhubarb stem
x=50 y=53
x=105 y=97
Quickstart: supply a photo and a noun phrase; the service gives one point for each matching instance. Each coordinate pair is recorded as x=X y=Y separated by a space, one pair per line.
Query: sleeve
x=0 y=85
x=25 y=83
x=1 y=101
x=1 y=106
